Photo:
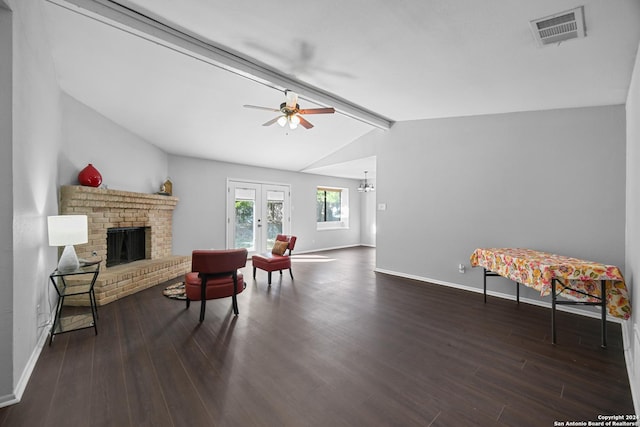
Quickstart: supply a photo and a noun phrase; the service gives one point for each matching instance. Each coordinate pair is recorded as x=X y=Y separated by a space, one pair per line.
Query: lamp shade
x=67 y=230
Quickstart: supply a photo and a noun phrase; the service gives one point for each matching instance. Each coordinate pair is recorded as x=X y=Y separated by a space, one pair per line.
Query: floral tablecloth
x=536 y=269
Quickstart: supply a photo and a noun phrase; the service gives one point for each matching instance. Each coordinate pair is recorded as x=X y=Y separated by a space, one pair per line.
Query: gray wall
x=548 y=180
x=54 y=137
x=632 y=273
x=125 y=161
x=199 y=218
x=368 y=217
x=552 y=180
x=34 y=149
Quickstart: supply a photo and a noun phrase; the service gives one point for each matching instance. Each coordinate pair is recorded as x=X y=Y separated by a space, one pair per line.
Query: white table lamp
x=68 y=230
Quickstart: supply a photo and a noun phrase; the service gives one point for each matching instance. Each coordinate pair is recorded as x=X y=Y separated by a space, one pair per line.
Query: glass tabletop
x=85 y=268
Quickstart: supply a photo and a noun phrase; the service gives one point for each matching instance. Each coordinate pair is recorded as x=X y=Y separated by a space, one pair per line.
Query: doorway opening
x=256 y=213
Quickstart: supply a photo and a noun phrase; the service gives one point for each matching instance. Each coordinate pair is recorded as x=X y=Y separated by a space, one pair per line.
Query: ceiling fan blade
x=292 y=99
x=305 y=123
x=272 y=121
x=261 y=108
x=329 y=110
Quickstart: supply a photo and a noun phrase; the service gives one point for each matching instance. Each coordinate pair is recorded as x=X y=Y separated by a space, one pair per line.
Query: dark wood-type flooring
x=339 y=346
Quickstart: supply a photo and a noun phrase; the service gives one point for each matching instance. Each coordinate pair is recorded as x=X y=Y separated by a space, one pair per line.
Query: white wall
x=632 y=271
x=6 y=207
x=547 y=180
x=199 y=218
x=36 y=141
x=125 y=161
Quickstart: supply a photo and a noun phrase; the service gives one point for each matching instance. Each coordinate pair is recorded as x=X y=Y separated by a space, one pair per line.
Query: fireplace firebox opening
x=125 y=245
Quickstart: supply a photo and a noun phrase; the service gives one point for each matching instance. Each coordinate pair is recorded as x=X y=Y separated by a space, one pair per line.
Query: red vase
x=90 y=176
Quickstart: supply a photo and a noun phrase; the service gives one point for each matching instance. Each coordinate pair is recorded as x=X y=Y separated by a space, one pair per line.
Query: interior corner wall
x=35 y=146
x=6 y=206
x=199 y=220
x=632 y=271
x=125 y=161
x=368 y=218
x=363 y=147
x=547 y=180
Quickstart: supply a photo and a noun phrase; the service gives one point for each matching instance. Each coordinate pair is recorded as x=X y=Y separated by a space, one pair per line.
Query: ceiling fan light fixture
x=291 y=112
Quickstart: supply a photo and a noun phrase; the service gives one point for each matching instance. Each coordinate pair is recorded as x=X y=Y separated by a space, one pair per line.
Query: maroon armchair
x=277 y=259
x=214 y=274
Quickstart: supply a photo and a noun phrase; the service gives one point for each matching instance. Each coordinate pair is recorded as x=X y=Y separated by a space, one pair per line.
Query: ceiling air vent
x=559 y=27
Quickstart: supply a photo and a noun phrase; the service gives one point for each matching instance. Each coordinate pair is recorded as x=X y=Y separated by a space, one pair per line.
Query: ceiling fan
x=291 y=112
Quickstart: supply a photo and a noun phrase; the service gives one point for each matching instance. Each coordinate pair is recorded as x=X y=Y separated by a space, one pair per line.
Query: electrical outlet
x=461 y=268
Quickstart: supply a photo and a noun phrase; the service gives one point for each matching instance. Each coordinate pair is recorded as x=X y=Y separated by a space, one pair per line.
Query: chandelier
x=365 y=187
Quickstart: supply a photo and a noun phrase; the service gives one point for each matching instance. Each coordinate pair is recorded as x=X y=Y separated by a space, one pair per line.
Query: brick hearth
x=113 y=208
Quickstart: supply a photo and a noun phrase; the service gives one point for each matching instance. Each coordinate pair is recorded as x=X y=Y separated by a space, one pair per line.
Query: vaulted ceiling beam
x=140 y=25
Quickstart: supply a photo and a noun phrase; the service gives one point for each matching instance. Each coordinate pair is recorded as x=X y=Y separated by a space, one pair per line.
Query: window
x=332 y=208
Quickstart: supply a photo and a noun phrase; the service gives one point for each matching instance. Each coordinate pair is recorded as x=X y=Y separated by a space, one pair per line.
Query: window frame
x=343 y=223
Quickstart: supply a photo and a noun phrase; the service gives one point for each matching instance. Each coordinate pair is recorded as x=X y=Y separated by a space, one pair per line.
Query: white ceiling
x=404 y=60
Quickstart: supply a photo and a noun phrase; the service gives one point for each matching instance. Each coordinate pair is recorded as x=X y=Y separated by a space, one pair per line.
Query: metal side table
x=72 y=283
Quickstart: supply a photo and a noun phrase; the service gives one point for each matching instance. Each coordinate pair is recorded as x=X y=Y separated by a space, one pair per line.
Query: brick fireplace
x=108 y=209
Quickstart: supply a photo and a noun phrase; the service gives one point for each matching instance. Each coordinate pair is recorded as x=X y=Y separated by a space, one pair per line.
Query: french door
x=256 y=214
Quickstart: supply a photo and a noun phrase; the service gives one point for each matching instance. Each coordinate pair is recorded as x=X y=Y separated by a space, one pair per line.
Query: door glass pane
x=245 y=230
x=257 y=213
x=275 y=215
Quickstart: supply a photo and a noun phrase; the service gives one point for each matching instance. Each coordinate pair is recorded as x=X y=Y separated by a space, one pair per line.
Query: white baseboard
x=539 y=303
x=633 y=367
x=16 y=396
x=326 y=249
x=7 y=400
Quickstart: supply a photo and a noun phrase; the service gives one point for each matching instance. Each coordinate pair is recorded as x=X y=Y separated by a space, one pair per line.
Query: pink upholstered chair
x=276 y=259
x=214 y=274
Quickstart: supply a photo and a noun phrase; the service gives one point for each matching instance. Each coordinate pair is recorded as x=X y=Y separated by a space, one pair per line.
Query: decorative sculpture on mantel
x=167 y=187
x=90 y=177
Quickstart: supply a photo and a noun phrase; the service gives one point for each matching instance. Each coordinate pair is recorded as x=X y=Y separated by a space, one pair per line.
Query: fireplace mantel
x=106 y=209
